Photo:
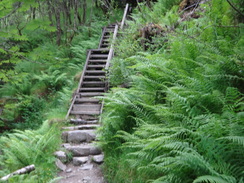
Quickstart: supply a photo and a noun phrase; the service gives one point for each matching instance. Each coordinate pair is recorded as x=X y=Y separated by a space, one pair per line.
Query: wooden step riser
x=90 y=94
x=99 y=55
x=82 y=121
x=92 y=90
x=85 y=113
x=99 y=89
x=93 y=85
x=97 y=63
x=95 y=69
x=87 y=108
x=93 y=79
x=95 y=73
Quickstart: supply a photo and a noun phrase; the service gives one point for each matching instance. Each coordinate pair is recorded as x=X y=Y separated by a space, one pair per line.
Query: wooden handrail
x=115 y=35
x=79 y=85
x=70 y=108
x=111 y=50
x=101 y=40
x=83 y=72
x=124 y=16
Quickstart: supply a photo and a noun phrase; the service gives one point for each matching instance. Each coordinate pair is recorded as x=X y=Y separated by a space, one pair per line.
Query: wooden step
x=86 y=107
x=90 y=94
x=99 y=56
x=92 y=89
x=99 y=50
x=93 y=83
x=105 y=44
x=109 y=30
x=86 y=100
x=83 y=121
x=92 y=61
x=94 y=77
x=106 y=40
x=96 y=66
x=95 y=72
x=85 y=112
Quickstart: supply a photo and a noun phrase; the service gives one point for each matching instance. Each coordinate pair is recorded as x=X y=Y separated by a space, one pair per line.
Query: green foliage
x=30 y=112
x=179 y=118
x=30 y=147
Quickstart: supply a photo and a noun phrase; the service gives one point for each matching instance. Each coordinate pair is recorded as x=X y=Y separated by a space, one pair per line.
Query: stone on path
x=77 y=161
x=87 y=167
x=83 y=150
x=98 y=159
x=61 y=155
x=69 y=170
x=86 y=180
x=60 y=165
x=78 y=136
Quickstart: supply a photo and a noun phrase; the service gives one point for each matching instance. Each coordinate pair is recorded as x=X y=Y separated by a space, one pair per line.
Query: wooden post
x=124 y=16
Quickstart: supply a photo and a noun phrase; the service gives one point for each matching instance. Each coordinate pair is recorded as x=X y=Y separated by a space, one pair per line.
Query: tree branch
x=235 y=8
x=12 y=12
x=24 y=170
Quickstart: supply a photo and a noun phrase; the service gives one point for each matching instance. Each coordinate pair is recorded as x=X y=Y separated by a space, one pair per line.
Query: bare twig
x=235 y=8
x=12 y=12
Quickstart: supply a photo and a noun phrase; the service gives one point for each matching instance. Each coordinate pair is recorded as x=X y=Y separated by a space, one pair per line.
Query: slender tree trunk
x=78 y=14
x=50 y=9
x=84 y=4
x=58 y=23
x=91 y=18
x=33 y=11
x=75 y=14
x=59 y=31
x=67 y=11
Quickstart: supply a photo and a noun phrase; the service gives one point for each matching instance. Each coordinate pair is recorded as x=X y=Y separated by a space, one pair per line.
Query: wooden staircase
x=83 y=115
x=93 y=80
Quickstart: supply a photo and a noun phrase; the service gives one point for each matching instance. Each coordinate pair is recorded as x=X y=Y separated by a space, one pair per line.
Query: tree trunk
x=67 y=12
x=50 y=8
x=59 y=31
x=33 y=13
x=75 y=14
x=58 y=24
x=84 y=12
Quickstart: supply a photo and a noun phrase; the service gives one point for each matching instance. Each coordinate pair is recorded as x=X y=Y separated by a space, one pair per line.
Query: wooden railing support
x=124 y=16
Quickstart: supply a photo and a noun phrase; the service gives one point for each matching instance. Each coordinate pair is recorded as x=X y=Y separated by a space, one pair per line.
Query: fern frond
x=236 y=139
x=210 y=179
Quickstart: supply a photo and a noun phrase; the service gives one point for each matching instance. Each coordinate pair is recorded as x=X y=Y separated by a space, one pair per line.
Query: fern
x=211 y=179
x=236 y=139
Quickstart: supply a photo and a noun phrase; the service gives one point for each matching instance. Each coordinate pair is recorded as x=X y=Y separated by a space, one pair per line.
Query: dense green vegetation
x=175 y=112
x=42 y=51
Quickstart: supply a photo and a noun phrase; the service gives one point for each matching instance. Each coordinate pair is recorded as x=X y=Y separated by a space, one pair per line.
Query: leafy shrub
x=181 y=118
x=30 y=147
x=31 y=113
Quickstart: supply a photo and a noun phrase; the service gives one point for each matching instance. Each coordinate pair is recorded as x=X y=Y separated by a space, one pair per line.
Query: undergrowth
x=35 y=92
x=175 y=112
